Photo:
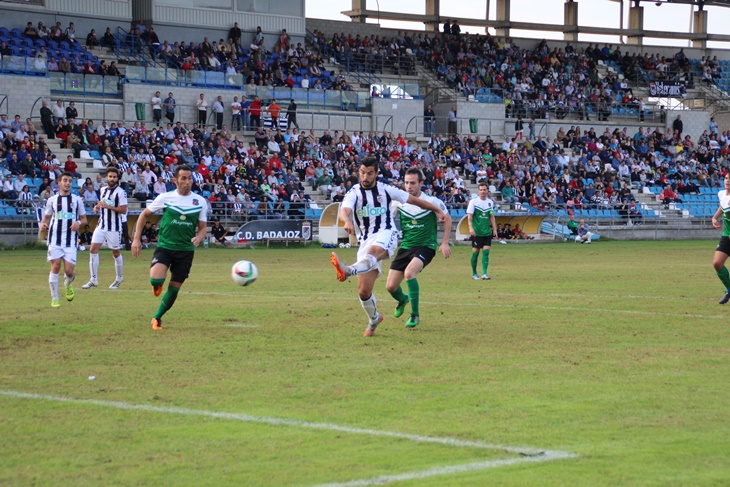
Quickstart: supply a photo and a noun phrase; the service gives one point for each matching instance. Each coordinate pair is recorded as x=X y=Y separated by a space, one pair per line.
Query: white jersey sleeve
x=470 y=207
x=158 y=204
x=49 y=206
x=80 y=208
x=350 y=198
x=397 y=194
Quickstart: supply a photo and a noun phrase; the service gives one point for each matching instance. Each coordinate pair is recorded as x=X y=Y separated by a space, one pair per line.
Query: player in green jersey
x=182 y=227
x=482 y=228
x=723 y=248
x=420 y=241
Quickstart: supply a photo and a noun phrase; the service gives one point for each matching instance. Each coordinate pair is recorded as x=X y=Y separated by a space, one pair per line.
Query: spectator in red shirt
x=254 y=112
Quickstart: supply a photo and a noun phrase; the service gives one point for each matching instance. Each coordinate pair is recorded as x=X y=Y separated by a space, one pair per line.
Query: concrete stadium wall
x=22 y=93
x=489 y=116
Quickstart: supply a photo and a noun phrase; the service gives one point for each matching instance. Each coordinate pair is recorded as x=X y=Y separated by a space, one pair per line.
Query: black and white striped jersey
x=371 y=208
x=109 y=220
x=64 y=211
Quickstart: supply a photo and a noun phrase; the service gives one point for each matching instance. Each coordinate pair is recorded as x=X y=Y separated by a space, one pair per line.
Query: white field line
x=447 y=470
x=350 y=297
x=529 y=454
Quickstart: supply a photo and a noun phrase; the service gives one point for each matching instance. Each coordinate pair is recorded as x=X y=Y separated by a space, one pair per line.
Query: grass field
x=612 y=359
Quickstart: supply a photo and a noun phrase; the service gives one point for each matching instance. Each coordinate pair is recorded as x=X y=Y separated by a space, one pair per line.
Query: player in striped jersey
x=112 y=207
x=420 y=241
x=62 y=218
x=369 y=204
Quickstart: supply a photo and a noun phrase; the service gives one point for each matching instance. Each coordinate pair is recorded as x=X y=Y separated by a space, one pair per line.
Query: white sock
x=118 y=265
x=364 y=266
x=94 y=266
x=67 y=280
x=370 y=306
x=53 y=283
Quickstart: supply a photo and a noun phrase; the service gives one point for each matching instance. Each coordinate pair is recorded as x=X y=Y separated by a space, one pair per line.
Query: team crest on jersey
x=414 y=222
x=195 y=201
x=183 y=217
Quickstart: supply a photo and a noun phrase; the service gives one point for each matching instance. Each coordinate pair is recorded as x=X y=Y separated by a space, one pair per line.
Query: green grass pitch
x=616 y=352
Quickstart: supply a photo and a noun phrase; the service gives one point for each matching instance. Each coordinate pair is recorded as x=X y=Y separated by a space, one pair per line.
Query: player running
x=482 y=227
x=182 y=227
x=723 y=248
x=112 y=207
x=420 y=241
x=62 y=218
x=369 y=204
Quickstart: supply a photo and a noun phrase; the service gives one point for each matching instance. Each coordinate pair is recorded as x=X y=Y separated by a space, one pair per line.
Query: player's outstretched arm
x=345 y=216
x=445 y=247
x=716 y=218
x=137 y=239
x=202 y=232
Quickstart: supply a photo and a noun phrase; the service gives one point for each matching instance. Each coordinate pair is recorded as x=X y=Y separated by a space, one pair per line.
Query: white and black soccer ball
x=342 y=246
x=244 y=273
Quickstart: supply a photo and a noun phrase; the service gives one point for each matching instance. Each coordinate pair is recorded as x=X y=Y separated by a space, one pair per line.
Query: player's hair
x=370 y=162
x=483 y=184
x=182 y=167
x=66 y=173
x=112 y=169
x=417 y=172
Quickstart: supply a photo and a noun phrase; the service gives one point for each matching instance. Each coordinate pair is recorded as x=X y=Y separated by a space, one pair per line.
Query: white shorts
x=385 y=239
x=111 y=238
x=66 y=253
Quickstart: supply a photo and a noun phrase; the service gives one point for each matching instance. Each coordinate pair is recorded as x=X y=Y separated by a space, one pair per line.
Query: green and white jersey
x=481 y=212
x=419 y=226
x=724 y=198
x=180 y=217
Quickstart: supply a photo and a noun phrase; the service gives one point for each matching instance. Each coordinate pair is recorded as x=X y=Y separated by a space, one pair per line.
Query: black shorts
x=405 y=256
x=724 y=245
x=178 y=261
x=481 y=242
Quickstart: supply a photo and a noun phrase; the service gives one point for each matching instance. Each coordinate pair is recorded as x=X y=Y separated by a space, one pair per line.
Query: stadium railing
x=21 y=65
x=93 y=85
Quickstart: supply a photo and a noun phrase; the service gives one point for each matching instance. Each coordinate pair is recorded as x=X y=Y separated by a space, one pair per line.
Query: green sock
x=485 y=260
x=724 y=276
x=399 y=296
x=474 y=260
x=413 y=291
x=167 y=301
x=157 y=282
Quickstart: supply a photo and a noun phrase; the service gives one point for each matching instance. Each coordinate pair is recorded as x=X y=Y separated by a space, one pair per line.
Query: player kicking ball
x=182 y=227
x=62 y=219
x=418 y=247
x=368 y=203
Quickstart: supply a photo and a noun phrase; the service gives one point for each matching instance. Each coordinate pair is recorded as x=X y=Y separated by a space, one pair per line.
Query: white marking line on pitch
x=532 y=454
x=341 y=297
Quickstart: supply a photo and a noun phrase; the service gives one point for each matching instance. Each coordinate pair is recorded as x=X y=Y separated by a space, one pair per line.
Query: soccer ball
x=342 y=246
x=244 y=272
x=347 y=245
